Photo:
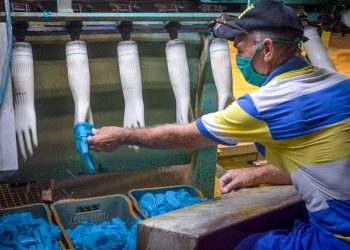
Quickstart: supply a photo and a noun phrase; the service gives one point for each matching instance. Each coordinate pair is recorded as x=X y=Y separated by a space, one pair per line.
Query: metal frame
x=95 y=16
x=141 y=16
x=111 y=28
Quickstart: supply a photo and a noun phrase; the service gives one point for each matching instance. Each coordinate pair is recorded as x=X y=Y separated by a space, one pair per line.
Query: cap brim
x=228 y=31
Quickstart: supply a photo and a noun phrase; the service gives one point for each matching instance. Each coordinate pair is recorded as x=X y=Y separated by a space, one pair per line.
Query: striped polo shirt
x=300 y=119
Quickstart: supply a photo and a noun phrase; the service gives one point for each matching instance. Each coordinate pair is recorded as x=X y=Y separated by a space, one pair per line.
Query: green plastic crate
x=38 y=210
x=70 y=213
x=136 y=194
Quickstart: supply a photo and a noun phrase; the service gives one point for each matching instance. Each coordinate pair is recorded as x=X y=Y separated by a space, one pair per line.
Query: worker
x=299 y=116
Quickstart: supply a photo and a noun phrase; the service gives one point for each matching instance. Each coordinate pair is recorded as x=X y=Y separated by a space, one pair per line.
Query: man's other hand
x=237 y=178
x=252 y=177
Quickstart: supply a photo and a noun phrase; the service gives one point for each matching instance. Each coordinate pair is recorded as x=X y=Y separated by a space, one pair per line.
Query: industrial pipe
x=222 y=71
x=22 y=71
x=130 y=77
x=316 y=51
x=179 y=79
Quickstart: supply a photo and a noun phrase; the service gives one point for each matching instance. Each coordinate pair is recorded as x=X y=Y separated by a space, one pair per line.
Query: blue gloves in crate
x=153 y=205
x=107 y=235
x=23 y=231
x=114 y=234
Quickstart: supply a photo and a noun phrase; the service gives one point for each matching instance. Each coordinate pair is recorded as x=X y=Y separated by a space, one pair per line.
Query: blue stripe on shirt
x=335 y=219
x=260 y=148
x=247 y=104
x=310 y=112
x=206 y=133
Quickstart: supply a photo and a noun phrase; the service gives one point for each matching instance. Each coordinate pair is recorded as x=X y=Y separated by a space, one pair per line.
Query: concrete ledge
x=221 y=223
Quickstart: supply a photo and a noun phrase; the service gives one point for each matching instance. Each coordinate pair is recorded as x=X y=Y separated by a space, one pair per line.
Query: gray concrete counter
x=222 y=222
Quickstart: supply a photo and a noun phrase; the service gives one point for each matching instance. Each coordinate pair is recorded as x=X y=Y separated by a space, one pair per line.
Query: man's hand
x=106 y=138
x=253 y=176
x=237 y=178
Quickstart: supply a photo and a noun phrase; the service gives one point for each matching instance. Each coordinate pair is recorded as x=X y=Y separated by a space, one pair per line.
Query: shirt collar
x=295 y=63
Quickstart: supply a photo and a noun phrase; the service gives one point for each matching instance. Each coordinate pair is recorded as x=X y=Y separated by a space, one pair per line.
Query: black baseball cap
x=265 y=15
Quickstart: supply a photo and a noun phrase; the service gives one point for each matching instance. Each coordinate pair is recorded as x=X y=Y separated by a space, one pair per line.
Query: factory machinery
x=126 y=63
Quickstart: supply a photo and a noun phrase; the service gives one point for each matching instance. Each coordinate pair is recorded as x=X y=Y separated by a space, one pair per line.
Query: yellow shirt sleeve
x=232 y=125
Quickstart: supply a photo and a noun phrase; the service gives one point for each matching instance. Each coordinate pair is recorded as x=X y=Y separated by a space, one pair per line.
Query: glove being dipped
x=81 y=132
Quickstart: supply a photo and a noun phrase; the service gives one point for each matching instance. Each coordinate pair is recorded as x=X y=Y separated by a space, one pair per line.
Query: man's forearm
x=269 y=174
x=167 y=136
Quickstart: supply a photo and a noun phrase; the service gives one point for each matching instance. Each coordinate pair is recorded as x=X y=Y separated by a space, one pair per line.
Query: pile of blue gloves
x=107 y=235
x=23 y=231
x=153 y=205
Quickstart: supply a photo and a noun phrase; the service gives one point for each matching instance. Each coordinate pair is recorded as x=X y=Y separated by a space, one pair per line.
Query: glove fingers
x=34 y=137
x=141 y=123
x=131 y=125
x=87 y=162
x=127 y=124
x=182 y=120
x=21 y=146
x=28 y=143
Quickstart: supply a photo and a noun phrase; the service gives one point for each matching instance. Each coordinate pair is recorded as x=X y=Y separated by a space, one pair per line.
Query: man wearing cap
x=300 y=118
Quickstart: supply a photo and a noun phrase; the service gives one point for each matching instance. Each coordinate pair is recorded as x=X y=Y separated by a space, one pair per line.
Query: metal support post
x=203 y=167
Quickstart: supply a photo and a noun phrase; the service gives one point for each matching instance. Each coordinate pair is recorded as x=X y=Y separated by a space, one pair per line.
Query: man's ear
x=268 y=50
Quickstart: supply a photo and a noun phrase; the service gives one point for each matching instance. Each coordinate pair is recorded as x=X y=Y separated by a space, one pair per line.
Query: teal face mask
x=246 y=67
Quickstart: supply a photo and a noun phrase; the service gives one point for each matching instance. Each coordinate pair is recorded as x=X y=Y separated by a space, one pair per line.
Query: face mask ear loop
x=256 y=51
x=296 y=41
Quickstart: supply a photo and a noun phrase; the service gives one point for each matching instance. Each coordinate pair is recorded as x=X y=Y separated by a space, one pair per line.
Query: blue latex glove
x=81 y=132
x=171 y=198
x=153 y=205
x=148 y=204
x=107 y=235
x=23 y=231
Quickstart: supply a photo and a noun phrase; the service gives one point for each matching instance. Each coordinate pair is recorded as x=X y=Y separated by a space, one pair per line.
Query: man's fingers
x=90 y=140
x=102 y=140
x=228 y=182
x=230 y=186
x=95 y=131
x=222 y=183
x=227 y=177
